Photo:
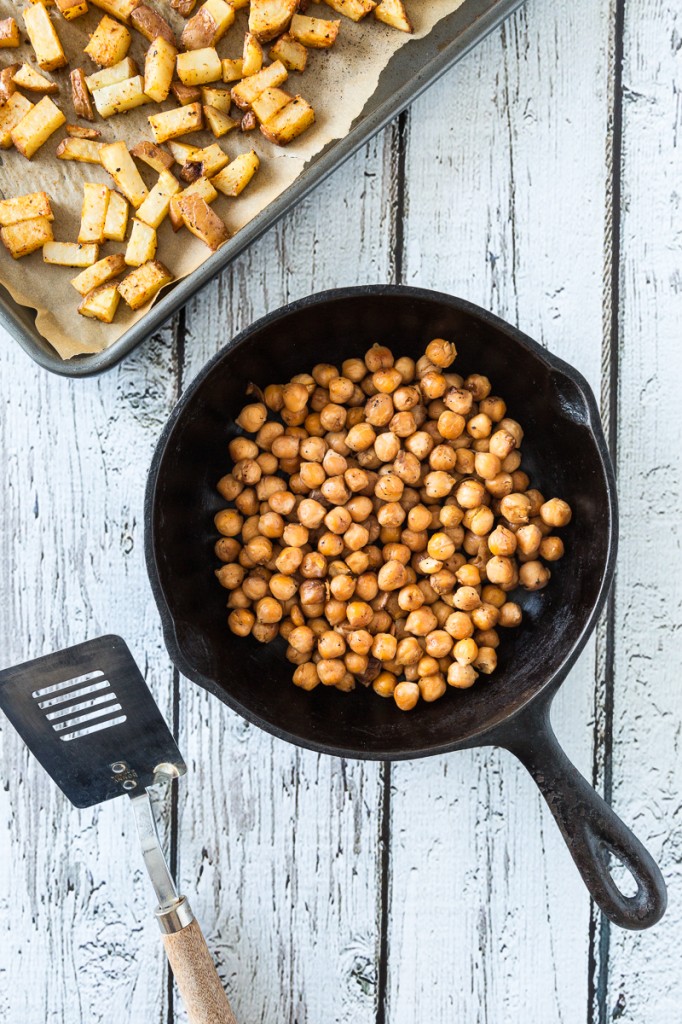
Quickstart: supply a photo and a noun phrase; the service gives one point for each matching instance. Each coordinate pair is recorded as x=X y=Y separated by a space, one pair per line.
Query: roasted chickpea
x=432 y=687
x=384 y=684
x=461 y=676
x=229 y=488
x=486 y=660
x=459 y=625
x=510 y=615
x=555 y=512
x=230 y=576
x=451 y=425
x=331 y=645
x=470 y=494
x=515 y=508
x=441 y=353
x=459 y=400
x=268 y=610
x=386 y=447
x=306 y=676
x=331 y=671
x=421 y=622
x=228 y=522
x=406 y=695
x=534 y=576
x=227 y=549
x=342 y=587
x=551 y=549
x=312 y=474
x=438 y=643
x=528 y=539
x=241 y=621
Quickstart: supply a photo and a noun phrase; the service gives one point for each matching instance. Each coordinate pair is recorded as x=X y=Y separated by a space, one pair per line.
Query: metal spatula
x=88 y=717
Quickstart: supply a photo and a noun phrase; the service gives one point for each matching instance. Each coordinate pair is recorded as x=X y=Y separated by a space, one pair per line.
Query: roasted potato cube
x=77 y=131
x=101 y=303
x=204 y=163
x=392 y=12
x=9 y=33
x=70 y=9
x=356 y=10
x=170 y=124
x=99 y=273
x=79 y=95
x=44 y=39
x=252 y=58
x=27 y=207
x=232 y=70
x=127 y=68
x=245 y=93
x=181 y=152
x=121 y=9
x=7 y=84
x=234 y=178
x=83 y=150
x=31 y=80
x=151 y=25
x=219 y=99
x=109 y=43
x=70 y=254
x=142 y=244
x=36 y=126
x=93 y=212
x=249 y=121
x=202 y=221
x=159 y=68
x=289 y=122
x=185 y=94
x=269 y=18
x=114 y=99
x=199 y=66
x=117 y=218
x=155 y=206
x=208 y=25
x=142 y=284
x=25 y=237
x=153 y=156
x=218 y=122
x=269 y=102
x=116 y=159
x=183 y=7
x=11 y=113
x=202 y=187
x=292 y=54
x=314 y=32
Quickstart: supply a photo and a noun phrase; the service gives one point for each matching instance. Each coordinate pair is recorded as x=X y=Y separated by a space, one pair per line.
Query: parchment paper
x=338 y=83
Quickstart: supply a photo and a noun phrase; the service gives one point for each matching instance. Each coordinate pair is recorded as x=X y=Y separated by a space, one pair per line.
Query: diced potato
x=11 y=113
x=289 y=122
x=27 y=207
x=198 y=67
x=77 y=131
x=117 y=218
x=181 y=152
x=292 y=54
x=218 y=122
x=155 y=206
x=101 y=303
x=142 y=244
x=9 y=33
x=205 y=163
x=249 y=121
x=314 y=32
x=184 y=7
x=232 y=70
x=142 y=284
x=99 y=273
x=270 y=102
x=32 y=81
x=153 y=156
x=245 y=93
x=121 y=9
x=151 y=25
x=70 y=254
x=392 y=12
x=114 y=99
x=79 y=95
x=36 y=126
x=7 y=84
x=239 y=4
x=202 y=187
x=356 y=10
x=25 y=237
x=70 y=9
x=219 y=99
x=237 y=175
x=170 y=124
x=202 y=221
x=185 y=94
x=109 y=43
x=44 y=39
x=116 y=159
x=127 y=68
x=83 y=150
x=252 y=59
x=93 y=212
x=208 y=25
x=159 y=68
x=269 y=18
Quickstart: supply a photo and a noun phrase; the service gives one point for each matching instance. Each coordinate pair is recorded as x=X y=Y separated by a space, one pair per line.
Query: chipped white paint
x=280 y=850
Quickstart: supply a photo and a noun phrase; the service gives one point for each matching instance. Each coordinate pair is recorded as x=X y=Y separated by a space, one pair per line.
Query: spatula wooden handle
x=197 y=979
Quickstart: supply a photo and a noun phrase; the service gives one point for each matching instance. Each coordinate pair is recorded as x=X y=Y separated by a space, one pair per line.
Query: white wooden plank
x=505 y=206
x=77 y=938
x=647 y=766
x=281 y=845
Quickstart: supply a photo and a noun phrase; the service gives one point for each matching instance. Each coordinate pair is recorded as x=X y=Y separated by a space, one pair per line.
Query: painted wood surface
x=498 y=186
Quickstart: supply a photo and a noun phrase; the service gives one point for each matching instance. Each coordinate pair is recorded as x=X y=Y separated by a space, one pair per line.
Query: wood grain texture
x=279 y=847
x=488 y=914
x=647 y=757
x=77 y=937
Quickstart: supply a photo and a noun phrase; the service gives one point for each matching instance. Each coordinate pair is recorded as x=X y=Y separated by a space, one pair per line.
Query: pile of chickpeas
x=378 y=521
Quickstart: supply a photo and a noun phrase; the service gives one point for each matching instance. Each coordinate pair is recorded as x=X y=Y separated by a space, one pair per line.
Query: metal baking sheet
x=413 y=68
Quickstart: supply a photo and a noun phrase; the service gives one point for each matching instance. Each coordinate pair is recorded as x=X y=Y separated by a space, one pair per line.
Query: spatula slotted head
x=87 y=715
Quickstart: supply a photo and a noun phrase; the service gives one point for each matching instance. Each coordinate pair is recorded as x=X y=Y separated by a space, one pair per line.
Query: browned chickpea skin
x=528 y=539
x=247 y=471
x=379 y=410
x=360 y=437
x=247 y=502
x=384 y=684
x=273 y=397
x=252 y=417
x=534 y=576
x=386 y=381
x=268 y=466
x=356 y=479
x=330 y=545
x=331 y=645
x=306 y=676
x=556 y=513
x=312 y=474
x=551 y=549
x=242 y=448
x=227 y=549
x=461 y=676
x=378 y=357
x=459 y=400
x=441 y=353
x=331 y=671
x=515 y=508
x=384 y=647
x=313 y=426
x=333 y=417
x=403 y=424
x=459 y=625
x=354 y=416
x=510 y=615
x=487 y=638
x=302 y=639
x=238 y=599
x=354 y=369
x=230 y=576
x=229 y=488
x=479 y=426
x=406 y=695
x=228 y=522
x=421 y=622
x=241 y=621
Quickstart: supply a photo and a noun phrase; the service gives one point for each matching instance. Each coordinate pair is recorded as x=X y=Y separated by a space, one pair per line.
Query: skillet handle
x=592 y=830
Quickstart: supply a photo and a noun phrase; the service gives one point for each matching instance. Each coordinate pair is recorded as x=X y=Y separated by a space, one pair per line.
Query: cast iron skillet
x=565 y=454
